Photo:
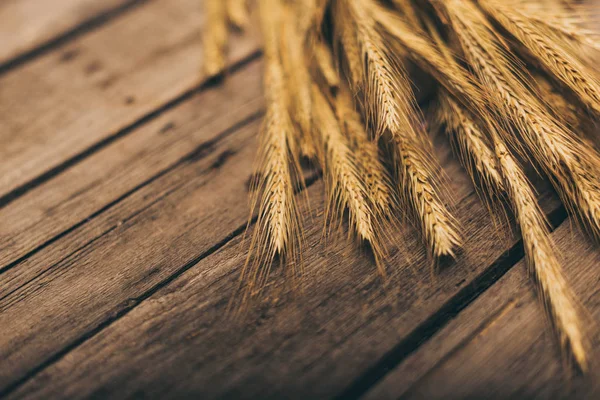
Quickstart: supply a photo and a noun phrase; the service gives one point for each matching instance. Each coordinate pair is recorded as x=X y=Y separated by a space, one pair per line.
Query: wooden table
x=123 y=206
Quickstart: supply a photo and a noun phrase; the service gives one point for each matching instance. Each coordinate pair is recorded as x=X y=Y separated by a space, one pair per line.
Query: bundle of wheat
x=338 y=92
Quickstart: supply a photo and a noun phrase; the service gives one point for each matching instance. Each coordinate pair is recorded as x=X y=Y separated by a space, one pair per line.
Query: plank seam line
x=509 y=305
x=63 y=166
x=444 y=315
x=224 y=134
x=132 y=303
x=87 y=26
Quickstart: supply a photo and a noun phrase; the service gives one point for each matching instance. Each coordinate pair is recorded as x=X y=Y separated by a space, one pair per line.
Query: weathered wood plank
x=101 y=179
x=90 y=89
x=125 y=252
x=307 y=344
x=501 y=346
x=28 y=24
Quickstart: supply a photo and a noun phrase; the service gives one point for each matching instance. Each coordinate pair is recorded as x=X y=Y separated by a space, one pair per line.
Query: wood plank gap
x=25 y=188
x=444 y=315
x=193 y=154
x=83 y=28
x=132 y=303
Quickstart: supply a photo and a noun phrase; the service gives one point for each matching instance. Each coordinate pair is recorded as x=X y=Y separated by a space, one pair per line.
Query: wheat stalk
x=336 y=88
x=214 y=37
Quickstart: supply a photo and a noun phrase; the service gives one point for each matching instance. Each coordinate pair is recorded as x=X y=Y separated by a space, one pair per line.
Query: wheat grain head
x=566 y=159
x=214 y=37
x=345 y=186
x=556 y=59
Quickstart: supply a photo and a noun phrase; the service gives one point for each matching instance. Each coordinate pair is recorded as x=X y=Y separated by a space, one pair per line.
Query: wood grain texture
x=311 y=343
x=92 y=185
x=123 y=253
x=93 y=87
x=501 y=346
x=28 y=24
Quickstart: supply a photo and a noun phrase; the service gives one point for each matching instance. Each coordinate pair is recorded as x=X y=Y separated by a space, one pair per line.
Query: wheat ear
x=541 y=259
x=562 y=64
x=278 y=225
x=237 y=13
x=391 y=107
x=474 y=149
x=568 y=161
x=377 y=179
x=562 y=20
x=214 y=37
x=298 y=80
x=325 y=63
x=345 y=186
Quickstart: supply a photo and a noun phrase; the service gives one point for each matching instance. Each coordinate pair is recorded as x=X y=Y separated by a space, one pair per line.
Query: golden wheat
x=346 y=187
x=298 y=81
x=215 y=37
x=277 y=230
x=541 y=259
x=325 y=63
x=337 y=88
x=391 y=108
x=556 y=59
x=377 y=179
x=565 y=158
x=237 y=13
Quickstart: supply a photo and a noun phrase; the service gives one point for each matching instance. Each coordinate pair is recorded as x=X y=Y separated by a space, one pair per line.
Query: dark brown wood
x=501 y=346
x=61 y=278
x=90 y=89
x=122 y=167
x=25 y=25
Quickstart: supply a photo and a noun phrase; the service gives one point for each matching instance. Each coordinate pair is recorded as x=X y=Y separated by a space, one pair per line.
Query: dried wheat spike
x=571 y=164
x=413 y=42
x=407 y=10
x=560 y=19
x=474 y=149
x=345 y=185
x=559 y=62
x=215 y=37
x=278 y=225
x=298 y=80
x=377 y=179
x=541 y=259
x=324 y=61
x=391 y=108
x=237 y=13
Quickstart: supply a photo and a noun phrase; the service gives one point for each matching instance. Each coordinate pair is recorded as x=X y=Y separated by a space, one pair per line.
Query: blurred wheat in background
x=339 y=93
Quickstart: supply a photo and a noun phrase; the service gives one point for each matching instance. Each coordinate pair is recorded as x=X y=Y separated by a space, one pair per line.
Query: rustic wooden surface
x=123 y=206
